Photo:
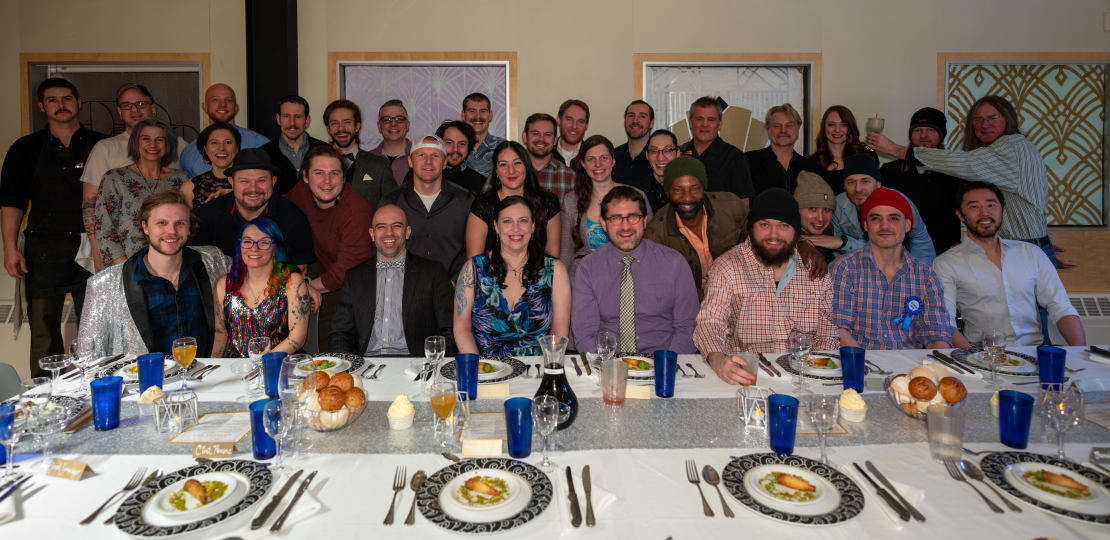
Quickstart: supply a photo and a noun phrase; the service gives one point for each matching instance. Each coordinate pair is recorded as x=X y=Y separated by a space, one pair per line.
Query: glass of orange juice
x=184 y=352
x=451 y=411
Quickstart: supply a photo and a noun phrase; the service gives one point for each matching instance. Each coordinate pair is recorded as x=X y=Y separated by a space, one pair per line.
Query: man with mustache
x=389 y=304
x=220 y=106
x=778 y=164
x=884 y=297
x=370 y=175
x=816 y=203
x=161 y=293
x=574 y=119
x=287 y=152
x=477 y=113
x=539 y=138
x=42 y=170
x=760 y=290
x=997 y=284
x=134 y=103
x=639 y=290
x=393 y=124
x=339 y=221
x=639 y=117
x=458 y=139
x=725 y=165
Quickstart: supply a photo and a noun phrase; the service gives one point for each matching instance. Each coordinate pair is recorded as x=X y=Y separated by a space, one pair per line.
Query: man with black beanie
x=760 y=290
x=933 y=193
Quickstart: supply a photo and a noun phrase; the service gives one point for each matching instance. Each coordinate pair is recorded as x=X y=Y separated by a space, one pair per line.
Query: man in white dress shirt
x=996 y=283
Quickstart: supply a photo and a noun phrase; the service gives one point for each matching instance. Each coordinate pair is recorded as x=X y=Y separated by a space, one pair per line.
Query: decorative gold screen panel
x=1062 y=108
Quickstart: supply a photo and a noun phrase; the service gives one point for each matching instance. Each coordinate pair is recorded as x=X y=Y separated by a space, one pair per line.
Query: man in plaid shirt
x=761 y=289
x=875 y=287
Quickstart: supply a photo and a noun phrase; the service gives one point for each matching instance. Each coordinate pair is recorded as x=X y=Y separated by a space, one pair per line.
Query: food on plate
x=194 y=488
x=318 y=380
x=637 y=364
x=355 y=398
x=823 y=362
x=1062 y=480
x=476 y=484
x=952 y=389
x=1058 y=484
x=344 y=381
x=133 y=369
x=795 y=482
x=788 y=487
x=401 y=413
x=924 y=371
x=195 y=494
x=486 y=367
x=150 y=395
x=852 y=406
x=317 y=365
x=922 y=388
x=483 y=490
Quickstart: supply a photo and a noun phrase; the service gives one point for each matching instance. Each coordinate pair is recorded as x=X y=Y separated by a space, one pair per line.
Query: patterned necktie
x=350 y=157
x=627 y=309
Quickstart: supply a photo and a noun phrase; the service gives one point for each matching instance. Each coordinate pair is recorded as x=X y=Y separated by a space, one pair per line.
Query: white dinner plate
x=341 y=365
x=130 y=372
x=648 y=373
x=500 y=369
x=1097 y=503
x=456 y=506
x=826 y=497
x=159 y=512
x=827 y=372
x=1015 y=365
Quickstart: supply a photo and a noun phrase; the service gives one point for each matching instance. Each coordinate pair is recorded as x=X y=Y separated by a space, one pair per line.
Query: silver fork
x=398 y=485
x=153 y=476
x=954 y=472
x=692 y=476
x=976 y=452
x=131 y=484
x=696 y=376
x=680 y=370
x=374 y=376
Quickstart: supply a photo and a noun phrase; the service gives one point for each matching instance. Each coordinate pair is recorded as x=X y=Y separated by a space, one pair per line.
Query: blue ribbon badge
x=912 y=307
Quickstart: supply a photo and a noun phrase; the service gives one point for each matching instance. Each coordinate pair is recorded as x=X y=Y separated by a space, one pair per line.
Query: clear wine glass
x=243 y=369
x=257 y=347
x=275 y=420
x=184 y=352
x=44 y=424
x=55 y=364
x=606 y=345
x=799 y=344
x=823 y=410
x=82 y=362
x=434 y=348
x=545 y=413
x=994 y=345
x=12 y=420
x=1061 y=407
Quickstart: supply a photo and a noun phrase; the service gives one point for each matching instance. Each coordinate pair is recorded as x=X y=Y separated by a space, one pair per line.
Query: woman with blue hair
x=263 y=295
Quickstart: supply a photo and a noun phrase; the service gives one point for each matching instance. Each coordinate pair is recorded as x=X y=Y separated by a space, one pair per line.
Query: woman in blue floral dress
x=508 y=297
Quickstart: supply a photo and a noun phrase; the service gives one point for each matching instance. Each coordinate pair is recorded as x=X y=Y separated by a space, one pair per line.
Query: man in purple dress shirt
x=665 y=298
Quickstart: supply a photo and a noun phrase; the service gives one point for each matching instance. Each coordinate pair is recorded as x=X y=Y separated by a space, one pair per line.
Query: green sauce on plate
x=770 y=484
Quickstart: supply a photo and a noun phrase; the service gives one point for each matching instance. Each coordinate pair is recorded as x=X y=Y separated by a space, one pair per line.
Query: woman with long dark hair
x=513 y=175
x=837 y=139
x=514 y=293
x=264 y=295
x=218 y=143
x=593 y=178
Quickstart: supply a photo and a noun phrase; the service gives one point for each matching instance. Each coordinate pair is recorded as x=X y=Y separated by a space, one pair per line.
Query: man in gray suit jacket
x=371 y=177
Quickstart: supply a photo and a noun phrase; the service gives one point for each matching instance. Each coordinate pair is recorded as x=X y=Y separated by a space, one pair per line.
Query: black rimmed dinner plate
x=1027 y=365
x=428 y=498
x=169 y=373
x=633 y=374
x=518 y=367
x=1002 y=468
x=848 y=497
x=355 y=360
x=73 y=406
x=784 y=362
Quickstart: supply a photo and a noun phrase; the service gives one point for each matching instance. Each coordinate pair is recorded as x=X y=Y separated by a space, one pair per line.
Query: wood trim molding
x=814 y=59
x=1059 y=57
x=335 y=58
x=204 y=59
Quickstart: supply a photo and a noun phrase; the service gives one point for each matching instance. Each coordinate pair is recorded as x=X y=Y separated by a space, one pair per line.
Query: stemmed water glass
x=276 y=416
x=184 y=352
x=44 y=424
x=1061 y=408
x=434 y=348
x=606 y=345
x=823 y=410
x=257 y=347
x=799 y=344
x=82 y=364
x=545 y=415
x=54 y=364
x=994 y=343
x=12 y=419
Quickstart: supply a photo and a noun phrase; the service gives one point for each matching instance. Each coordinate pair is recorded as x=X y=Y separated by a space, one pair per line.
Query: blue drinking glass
x=782 y=411
x=1050 y=361
x=106 y=396
x=151 y=370
x=466 y=374
x=518 y=424
x=1015 y=412
x=852 y=368
x=665 y=365
x=271 y=371
x=263 y=445
x=7 y=420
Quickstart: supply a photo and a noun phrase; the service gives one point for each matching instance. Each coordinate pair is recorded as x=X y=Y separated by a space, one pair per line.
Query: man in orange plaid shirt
x=759 y=290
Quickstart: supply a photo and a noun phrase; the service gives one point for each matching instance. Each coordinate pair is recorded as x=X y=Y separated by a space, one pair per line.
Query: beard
x=160 y=247
x=769 y=258
x=691 y=214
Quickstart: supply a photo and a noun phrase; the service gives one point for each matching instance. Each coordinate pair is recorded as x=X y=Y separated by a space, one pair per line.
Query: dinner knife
x=575 y=511
x=586 y=364
x=913 y=511
x=952 y=360
x=95 y=365
x=1099 y=351
x=300 y=491
x=590 y=521
x=258 y=521
x=770 y=365
x=893 y=504
x=577 y=369
x=28 y=477
x=949 y=363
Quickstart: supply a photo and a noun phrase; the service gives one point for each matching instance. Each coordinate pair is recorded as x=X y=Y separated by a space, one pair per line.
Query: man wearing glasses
x=632 y=165
x=539 y=139
x=778 y=164
x=639 y=290
x=393 y=124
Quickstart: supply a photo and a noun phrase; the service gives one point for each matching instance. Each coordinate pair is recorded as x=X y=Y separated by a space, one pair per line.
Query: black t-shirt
x=726 y=166
x=653 y=190
x=220 y=223
x=835 y=177
x=934 y=195
x=628 y=169
x=485 y=207
x=767 y=172
x=468 y=179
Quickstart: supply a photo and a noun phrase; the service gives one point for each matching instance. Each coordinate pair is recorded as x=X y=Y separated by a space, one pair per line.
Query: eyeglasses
x=128 y=105
x=631 y=219
x=667 y=152
x=979 y=120
x=264 y=244
x=399 y=119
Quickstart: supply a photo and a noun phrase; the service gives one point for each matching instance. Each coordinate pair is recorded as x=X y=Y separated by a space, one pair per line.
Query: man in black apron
x=44 y=169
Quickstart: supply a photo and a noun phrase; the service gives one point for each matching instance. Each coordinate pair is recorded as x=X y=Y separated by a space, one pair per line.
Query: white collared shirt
x=1007 y=298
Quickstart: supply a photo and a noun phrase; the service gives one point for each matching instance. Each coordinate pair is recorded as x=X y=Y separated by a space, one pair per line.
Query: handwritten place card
x=638 y=391
x=230 y=427
x=481 y=447
x=493 y=390
x=219 y=450
x=70 y=470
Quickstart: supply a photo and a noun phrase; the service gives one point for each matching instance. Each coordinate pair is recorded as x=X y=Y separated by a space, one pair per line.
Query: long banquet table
x=636 y=452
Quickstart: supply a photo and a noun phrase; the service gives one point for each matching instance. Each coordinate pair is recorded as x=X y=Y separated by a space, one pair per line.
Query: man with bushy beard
x=760 y=290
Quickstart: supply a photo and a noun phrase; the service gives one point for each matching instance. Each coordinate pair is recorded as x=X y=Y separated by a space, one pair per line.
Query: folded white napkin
x=912 y=495
x=602 y=500
x=307 y=507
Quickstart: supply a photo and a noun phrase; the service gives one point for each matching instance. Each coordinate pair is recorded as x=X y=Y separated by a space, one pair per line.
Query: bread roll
x=344 y=381
x=921 y=388
x=317 y=379
x=939 y=369
x=953 y=390
x=922 y=371
x=355 y=399
x=331 y=399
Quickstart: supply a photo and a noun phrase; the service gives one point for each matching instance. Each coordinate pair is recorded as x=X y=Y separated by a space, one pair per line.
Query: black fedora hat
x=251 y=158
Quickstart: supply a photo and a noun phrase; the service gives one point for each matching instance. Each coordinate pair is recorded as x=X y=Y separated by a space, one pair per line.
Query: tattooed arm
x=89 y=193
x=464 y=303
x=219 y=341
x=300 y=305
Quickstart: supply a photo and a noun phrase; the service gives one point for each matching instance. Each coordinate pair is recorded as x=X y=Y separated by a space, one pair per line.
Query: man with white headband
x=436 y=210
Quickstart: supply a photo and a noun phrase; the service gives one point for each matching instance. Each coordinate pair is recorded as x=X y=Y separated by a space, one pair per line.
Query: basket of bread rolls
x=925 y=385
x=331 y=402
